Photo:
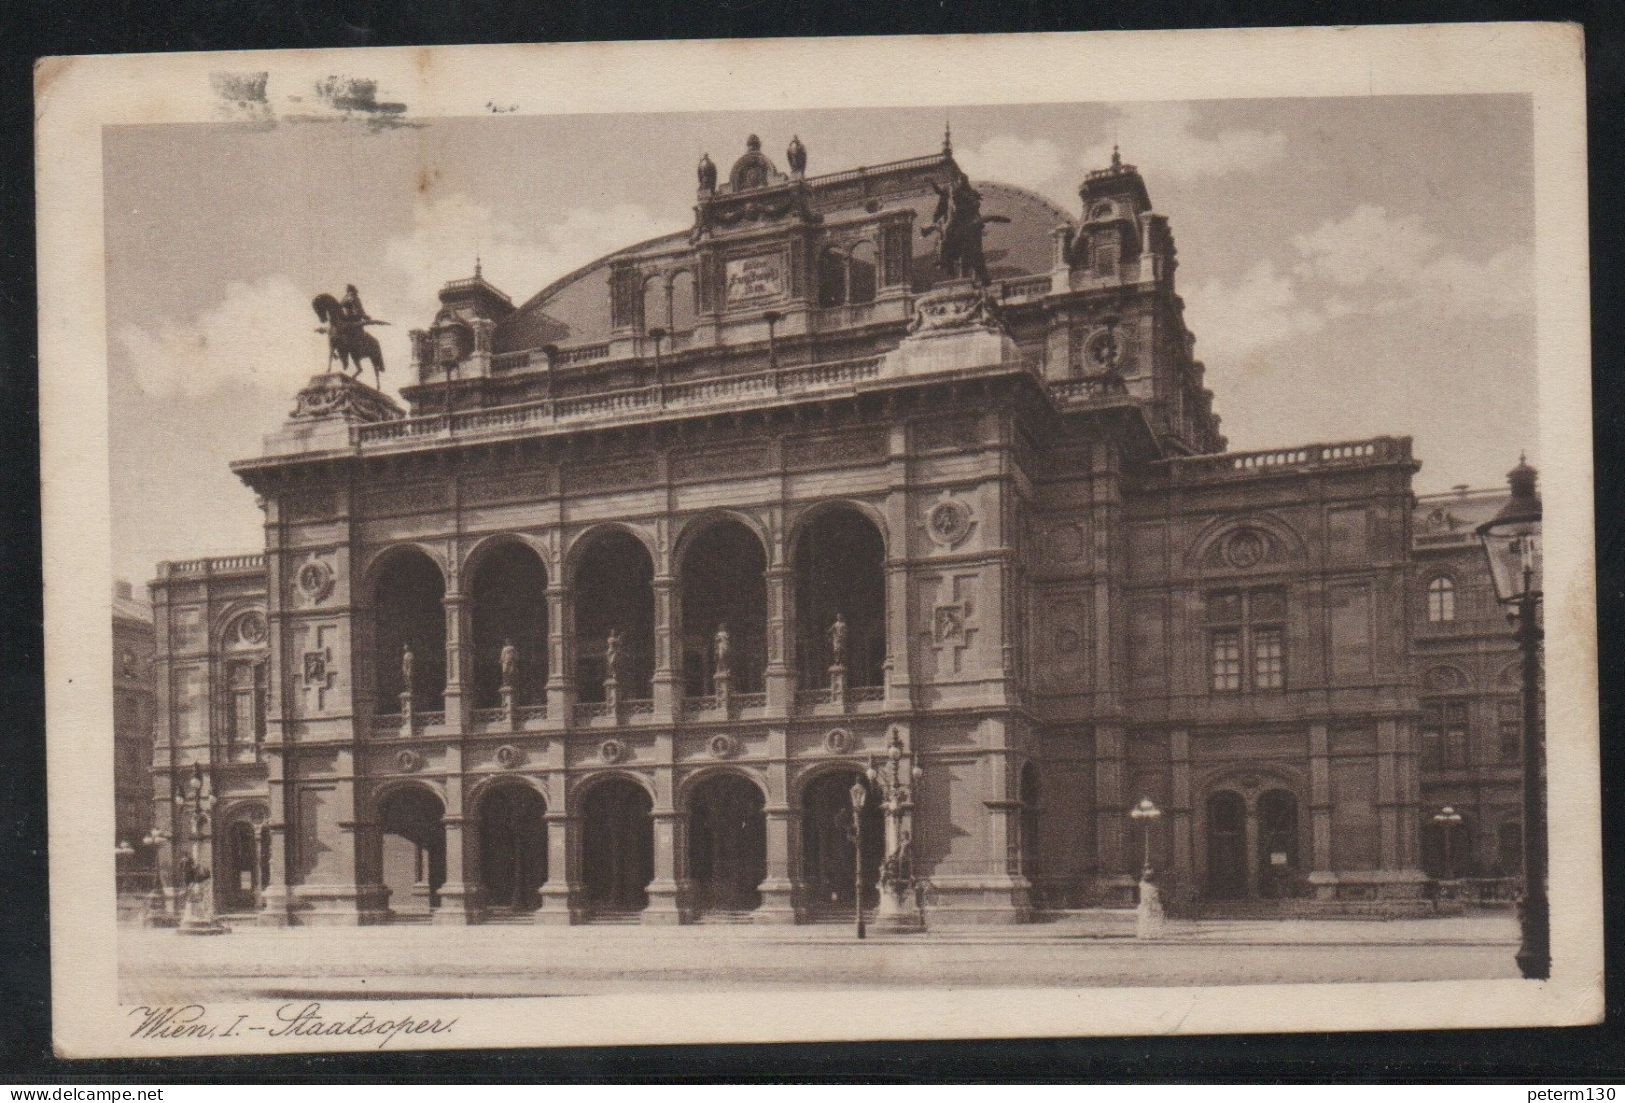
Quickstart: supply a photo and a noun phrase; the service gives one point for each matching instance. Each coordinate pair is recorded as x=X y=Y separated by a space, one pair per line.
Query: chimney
x=121 y=588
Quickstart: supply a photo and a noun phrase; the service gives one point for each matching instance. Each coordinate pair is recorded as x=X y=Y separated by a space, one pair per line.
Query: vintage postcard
x=774 y=540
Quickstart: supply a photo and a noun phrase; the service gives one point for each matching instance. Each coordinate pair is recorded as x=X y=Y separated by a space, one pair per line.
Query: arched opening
x=831 y=278
x=614 y=593
x=724 y=586
x=1277 y=844
x=827 y=850
x=840 y=573
x=684 y=307
x=1226 y=845
x=240 y=870
x=413 y=839
x=727 y=844
x=513 y=847
x=860 y=287
x=510 y=607
x=409 y=613
x=1029 y=796
x=656 y=307
x=618 y=847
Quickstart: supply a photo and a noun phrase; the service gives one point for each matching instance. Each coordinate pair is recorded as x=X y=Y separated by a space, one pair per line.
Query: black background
x=34 y=28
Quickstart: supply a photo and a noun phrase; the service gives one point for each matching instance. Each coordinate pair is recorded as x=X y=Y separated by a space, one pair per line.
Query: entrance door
x=618 y=846
x=239 y=888
x=412 y=838
x=1226 y=846
x=1277 y=844
x=826 y=849
x=513 y=847
x=727 y=844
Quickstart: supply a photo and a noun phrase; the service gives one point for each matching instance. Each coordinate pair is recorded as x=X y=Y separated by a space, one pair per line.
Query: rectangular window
x=1249 y=651
x=1509 y=729
x=1445 y=735
x=1268 y=665
x=1226 y=652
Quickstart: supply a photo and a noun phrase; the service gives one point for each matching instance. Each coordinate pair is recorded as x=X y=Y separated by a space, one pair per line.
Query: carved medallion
x=509 y=756
x=315 y=580
x=317 y=667
x=1066 y=543
x=723 y=746
x=1245 y=548
x=948 y=522
x=838 y=741
x=251 y=629
x=409 y=761
x=612 y=750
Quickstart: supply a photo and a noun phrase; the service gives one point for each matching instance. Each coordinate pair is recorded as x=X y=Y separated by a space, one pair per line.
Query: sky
x=1350 y=267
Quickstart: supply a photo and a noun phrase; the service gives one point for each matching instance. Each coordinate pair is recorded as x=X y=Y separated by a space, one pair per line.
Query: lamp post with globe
x=1149 y=916
x=197 y=803
x=899 y=908
x=1512 y=544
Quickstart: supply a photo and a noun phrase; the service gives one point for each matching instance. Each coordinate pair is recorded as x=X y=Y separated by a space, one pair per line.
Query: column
x=1388 y=802
x=1179 y=806
x=663 y=907
x=1110 y=809
x=457 y=717
x=899 y=661
x=780 y=685
x=666 y=694
x=776 y=888
x=461 y=899
x=560 y=655
x=1252 y=846
x=1320 y=799
x=562 y=902
x=274 y=893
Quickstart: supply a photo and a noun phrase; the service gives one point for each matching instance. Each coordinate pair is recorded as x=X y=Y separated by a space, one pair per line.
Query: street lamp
x=860 y=796
x=198 y=802
x=1149 y=915
x=158 y=909
x=1145 y=814
x=1448 y=820
x=899 y=908
x=1511 y=542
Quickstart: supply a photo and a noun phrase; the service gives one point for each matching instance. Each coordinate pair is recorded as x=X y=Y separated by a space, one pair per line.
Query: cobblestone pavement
x=400 y=962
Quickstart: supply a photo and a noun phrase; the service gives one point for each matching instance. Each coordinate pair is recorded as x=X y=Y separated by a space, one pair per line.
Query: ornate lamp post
x=859 y=794
x=198 y=803
x=158 y=909
x=899 y=904
x=1511 y=542
x=1149 y=916
x=1448 y=820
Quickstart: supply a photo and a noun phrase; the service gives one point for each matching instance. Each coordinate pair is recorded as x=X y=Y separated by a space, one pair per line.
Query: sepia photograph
x=690 y=555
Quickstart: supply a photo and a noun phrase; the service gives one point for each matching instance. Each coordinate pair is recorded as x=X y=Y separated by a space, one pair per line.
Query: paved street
x=402 y=962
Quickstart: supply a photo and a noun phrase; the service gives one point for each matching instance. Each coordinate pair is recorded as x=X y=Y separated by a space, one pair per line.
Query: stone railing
x=624 y=404
x=219 y=565
x=1027 y=287
x=1089 y=389
x=866 y=693
x=489 y=716
x=1358 y=453
x=750 y=700
x=526 y=713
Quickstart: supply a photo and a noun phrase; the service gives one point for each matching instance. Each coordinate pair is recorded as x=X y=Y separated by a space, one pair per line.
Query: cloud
x=262 y=333
x=1232 y=320
x=1030 y=164
x=1368 y=263
x=1161 y=138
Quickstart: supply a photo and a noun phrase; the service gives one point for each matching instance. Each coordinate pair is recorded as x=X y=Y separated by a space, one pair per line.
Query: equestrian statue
x=958 y=223
x=347 y=338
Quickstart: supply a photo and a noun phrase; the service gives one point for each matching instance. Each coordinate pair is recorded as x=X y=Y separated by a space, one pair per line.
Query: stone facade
x=133 y=722
x=659 y=560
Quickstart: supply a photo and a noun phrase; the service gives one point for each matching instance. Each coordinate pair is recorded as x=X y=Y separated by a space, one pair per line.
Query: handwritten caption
x=180 y=1022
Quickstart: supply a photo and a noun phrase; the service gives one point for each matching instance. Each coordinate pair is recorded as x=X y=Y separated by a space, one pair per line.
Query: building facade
x=609 y=621
x=134 y=717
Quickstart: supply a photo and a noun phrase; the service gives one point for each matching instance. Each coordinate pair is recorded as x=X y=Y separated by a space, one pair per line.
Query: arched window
x=656 y=306
x=1441 y=600
x=614 y=595
x=683 y=304
x=409 y=613
x=860 y=284
x=840 y=573
x=831 y=278
x=723 y=586
x=510 y=608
